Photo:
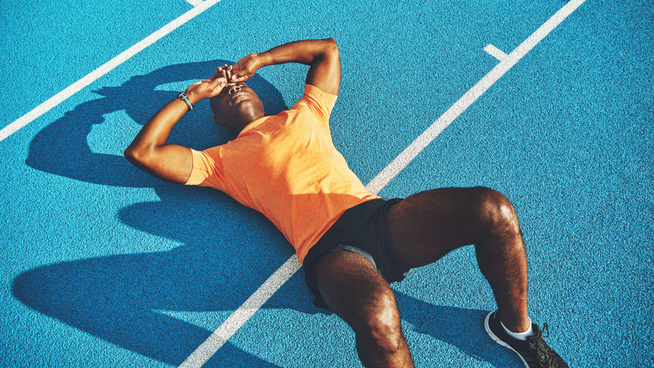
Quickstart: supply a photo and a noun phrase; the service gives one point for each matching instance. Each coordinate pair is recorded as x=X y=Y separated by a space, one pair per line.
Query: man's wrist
x=193 y=96
x=265 y=59
x=187 y=100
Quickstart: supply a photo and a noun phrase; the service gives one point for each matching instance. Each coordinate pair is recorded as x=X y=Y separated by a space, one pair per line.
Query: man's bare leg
x=424 y=228
x=357 y=293
x=428 y=225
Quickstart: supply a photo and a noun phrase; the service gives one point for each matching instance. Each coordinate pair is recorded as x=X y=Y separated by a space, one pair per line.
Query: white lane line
x=208 y=348
x=495 y=52
x=219 y=337
x=195 y=2
x=404 y=158
x=104 y=69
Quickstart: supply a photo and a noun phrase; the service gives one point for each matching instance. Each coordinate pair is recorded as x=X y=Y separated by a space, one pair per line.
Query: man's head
x=236 y=106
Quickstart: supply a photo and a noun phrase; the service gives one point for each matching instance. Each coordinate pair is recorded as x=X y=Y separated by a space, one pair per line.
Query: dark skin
x=423 y=227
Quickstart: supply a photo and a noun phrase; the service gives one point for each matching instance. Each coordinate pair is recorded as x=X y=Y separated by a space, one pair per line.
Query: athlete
x=351 y=243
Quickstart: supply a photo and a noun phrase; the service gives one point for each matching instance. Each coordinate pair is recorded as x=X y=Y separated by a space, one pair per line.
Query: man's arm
x=149 y=151
x=321 y=55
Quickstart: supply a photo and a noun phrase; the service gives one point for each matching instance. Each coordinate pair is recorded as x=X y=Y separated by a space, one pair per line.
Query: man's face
x=236 y=105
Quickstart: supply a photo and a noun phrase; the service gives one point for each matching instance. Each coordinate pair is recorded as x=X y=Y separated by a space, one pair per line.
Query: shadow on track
x=459 y=327
x=119 y=298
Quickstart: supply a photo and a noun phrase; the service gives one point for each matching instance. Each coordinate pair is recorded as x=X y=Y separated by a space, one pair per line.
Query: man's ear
x=218 y=120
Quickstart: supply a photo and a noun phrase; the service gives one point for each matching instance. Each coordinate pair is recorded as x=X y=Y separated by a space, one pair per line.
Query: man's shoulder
x=318 y=101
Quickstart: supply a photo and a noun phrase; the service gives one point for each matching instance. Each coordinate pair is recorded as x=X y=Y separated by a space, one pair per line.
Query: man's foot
x=534 y=352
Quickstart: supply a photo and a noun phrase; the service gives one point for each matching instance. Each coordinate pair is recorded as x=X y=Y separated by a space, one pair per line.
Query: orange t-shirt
x=286 y=167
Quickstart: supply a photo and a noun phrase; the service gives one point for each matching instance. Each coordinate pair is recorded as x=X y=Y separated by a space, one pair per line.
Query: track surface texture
x=104 y=266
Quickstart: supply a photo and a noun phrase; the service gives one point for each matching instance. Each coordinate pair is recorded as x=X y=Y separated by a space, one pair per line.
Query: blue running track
x=104 y=266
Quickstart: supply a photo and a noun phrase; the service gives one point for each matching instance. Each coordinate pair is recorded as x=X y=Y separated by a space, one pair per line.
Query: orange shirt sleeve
x=206 y=172
x=319 y=102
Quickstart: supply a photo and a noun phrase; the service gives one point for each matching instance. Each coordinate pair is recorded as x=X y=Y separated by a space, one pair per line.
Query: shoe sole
x=498 y=340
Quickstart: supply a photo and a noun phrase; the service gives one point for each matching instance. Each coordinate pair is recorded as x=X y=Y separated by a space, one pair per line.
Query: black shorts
x=362 y=230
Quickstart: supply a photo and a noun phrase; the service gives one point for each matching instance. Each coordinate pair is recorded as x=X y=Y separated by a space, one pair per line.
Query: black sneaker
x=534 y=352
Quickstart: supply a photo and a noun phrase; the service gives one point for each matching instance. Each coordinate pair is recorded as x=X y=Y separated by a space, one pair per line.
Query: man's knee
x=495 y=210
x=382 y=326
x=374 y=316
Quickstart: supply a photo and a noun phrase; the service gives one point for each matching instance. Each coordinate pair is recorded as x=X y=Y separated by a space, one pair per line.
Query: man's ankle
x=519 y=335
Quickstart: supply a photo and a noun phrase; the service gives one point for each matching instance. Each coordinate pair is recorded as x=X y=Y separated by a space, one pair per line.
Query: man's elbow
x=136 y=156
x=331 y=46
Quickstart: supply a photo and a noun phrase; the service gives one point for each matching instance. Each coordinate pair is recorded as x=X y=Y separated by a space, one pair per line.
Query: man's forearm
x=303 y=52
x=321 y=55
x=149 y=150
x=156 y=131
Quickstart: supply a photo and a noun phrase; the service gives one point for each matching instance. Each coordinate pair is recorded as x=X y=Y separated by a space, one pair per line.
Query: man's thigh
x=426 y=226
x=352 y=288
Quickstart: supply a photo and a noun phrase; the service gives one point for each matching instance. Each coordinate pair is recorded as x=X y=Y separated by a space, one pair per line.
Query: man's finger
x=238 y=78
x=219 y=82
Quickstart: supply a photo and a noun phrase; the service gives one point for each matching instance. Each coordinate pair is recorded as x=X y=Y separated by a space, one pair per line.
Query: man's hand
x=209 y=87
x=245 y=68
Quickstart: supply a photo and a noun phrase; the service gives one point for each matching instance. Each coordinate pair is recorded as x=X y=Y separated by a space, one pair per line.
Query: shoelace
x=543 y=352
x=545 y=328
